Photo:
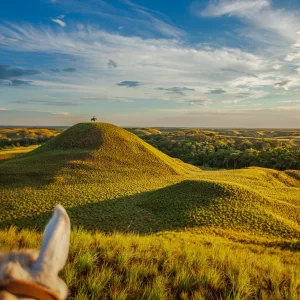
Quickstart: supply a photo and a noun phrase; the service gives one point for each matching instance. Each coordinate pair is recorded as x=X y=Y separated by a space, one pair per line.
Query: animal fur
x=41 y=267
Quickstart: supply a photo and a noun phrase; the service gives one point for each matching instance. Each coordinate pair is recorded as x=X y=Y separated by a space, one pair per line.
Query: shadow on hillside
x=165 y=209
x=168 y=208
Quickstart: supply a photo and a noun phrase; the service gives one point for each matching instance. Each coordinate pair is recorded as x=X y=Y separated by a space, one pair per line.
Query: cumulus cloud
x=112 y=64
x=129 y=83
x=175 y=90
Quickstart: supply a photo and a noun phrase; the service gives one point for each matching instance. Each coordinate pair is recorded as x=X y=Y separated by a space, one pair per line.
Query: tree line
x=215 y=151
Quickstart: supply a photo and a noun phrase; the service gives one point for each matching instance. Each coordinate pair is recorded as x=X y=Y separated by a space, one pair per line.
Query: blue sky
x=218 y=63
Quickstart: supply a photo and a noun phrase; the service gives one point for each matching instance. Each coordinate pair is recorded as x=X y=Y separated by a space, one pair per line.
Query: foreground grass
x=181 y=265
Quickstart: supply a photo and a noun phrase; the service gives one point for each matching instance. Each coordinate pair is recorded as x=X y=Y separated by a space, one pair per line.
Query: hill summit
x=93 y=151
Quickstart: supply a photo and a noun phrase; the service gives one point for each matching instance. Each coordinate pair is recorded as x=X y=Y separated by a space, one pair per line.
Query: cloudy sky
x=218 y=63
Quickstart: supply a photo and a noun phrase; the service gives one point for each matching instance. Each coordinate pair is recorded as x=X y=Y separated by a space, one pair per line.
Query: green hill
x=109 y=179
x=90 y=152
x=202 y=234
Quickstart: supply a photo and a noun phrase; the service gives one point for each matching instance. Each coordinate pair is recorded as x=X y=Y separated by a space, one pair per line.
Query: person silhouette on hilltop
x=93 y=119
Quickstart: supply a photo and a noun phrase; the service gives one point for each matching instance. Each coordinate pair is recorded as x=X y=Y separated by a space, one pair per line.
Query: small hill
x=197 y=204
x=91 y=152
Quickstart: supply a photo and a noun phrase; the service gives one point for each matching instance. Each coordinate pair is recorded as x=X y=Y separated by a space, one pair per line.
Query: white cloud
x=155 y=62
x=234 y=7
x=289 y=58
x=157 y=20
x=276 y=30
x=59 y=22
x=259 y=13
x=159 y=62
x=144 y=21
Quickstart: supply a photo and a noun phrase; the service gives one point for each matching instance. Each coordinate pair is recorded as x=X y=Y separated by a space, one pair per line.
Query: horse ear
x=55 y=246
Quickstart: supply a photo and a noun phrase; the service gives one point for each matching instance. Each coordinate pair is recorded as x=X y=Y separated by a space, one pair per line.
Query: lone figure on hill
x=93 y=119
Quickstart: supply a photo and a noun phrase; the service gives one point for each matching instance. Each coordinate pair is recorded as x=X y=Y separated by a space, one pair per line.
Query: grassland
x=172 y=265
x=111 y=180
x=11 y=152
x=184 y=233
x=21 y=136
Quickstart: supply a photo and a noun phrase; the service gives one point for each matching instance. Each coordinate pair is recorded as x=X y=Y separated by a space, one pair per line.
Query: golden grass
x=173 y=265
x=109 y=179
x=11 y=152
x=227 y=234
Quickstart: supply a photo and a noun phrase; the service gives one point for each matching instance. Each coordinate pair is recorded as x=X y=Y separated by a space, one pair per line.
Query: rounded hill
x=89 y=152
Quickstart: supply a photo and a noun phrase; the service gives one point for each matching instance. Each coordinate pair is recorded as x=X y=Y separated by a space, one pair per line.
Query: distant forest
x=228 y=149
x=215 y=148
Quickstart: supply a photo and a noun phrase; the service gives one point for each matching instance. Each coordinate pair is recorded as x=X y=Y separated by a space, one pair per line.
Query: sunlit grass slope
x=11 y=152
x=187 y=204
x=173 y=265
x=109 y=180
x=91 y=152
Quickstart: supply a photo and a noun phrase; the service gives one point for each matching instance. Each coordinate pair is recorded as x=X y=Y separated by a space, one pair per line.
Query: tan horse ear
x=55 y=246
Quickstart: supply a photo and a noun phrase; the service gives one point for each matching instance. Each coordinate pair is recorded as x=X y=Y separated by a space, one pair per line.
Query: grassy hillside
x=227 y=234
x=173 y=265
x=11 y=152
x=109 y=179
x=90 y=152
